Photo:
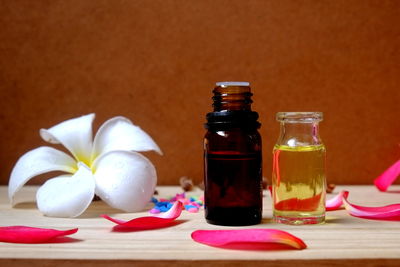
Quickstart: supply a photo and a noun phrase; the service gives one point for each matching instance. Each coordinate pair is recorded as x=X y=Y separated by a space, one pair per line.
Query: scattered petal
x=119 y=133
x=154 y=211
x=247 y=238
x=307 y=204
x=150 y=222
x=67 y=196
x=335 y=203
x=35 y=162
x=174 y=212
x=25 y=234
x=75 y=134
x=388 y=177
x=125 y=180
x=389 y=212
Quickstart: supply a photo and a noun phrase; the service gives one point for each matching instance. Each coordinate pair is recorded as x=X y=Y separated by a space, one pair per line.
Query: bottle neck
x=232 y=98
x=232 y=107
x=299 y=134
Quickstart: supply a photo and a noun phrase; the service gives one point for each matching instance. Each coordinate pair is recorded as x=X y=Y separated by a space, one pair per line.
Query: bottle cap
x=226 y=84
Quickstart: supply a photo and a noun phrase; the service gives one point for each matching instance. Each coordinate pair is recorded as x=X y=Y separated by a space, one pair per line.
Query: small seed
x=330 y=188
x=186 y=183
x=264 y=183
x=201 y=185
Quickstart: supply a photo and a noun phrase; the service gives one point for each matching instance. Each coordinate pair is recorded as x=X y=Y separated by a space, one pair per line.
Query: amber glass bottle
x=232 y=158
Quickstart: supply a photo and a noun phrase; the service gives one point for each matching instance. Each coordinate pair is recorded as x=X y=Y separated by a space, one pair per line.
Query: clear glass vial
x=298 y=176
x=232 y=158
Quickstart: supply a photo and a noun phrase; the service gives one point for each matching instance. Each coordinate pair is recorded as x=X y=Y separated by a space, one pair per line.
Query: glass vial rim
x=299 y=117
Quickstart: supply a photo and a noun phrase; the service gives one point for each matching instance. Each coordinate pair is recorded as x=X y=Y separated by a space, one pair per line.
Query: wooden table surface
x=341 y=240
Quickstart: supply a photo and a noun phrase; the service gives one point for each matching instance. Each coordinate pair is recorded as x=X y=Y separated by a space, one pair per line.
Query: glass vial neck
x=299 y=129
x=232 y=96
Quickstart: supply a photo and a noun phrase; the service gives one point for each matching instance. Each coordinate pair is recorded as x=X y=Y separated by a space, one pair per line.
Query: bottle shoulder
x=242 y=141
x=233 y=133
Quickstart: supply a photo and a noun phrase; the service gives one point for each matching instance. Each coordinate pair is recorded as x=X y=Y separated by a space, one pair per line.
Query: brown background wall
x=156 y=62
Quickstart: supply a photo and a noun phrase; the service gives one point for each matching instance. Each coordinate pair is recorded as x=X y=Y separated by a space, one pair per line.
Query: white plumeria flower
x=108 y=167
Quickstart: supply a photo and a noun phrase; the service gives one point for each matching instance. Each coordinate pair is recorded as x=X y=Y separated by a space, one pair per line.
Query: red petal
x=307 y=204
x=389 y=212
x=275 y=167
x=25 y=234
x=248 y=239
x=149 y=222
x=388 y=177
x=335 y=203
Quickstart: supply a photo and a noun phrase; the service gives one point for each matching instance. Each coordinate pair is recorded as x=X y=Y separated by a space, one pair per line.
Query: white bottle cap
x=226 y=84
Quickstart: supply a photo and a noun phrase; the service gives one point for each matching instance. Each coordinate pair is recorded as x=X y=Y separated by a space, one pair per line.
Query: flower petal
x=173 y=213
x=335 y=203
x=25 y=234
x=150 y=222
x=125 y=180
x=389 y=212
x=298 y=204
x=67 y=196
x=119 y=133
x=35 y=162
x=388 y=177
x=247 y=238
x=75 y=134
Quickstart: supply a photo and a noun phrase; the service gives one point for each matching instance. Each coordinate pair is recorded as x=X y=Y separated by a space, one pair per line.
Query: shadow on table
x=328 y=220
x=95 y=210
x=64 y=239
x=25 y=205
x=391 y=191
x=335 y=220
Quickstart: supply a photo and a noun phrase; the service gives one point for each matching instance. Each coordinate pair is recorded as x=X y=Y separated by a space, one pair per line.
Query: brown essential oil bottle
x=232 y=158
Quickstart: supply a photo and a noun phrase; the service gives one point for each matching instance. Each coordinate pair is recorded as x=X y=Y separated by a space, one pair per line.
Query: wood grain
x=341 y=240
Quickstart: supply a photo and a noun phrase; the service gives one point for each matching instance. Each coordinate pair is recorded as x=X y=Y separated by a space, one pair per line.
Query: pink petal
x=117 y=221
x=173 y=213
x=25 y=234
x=275 y=167
x=248 y=239
x=389 y=212
x=388 y=177
x=149 y=222
x=335 y=203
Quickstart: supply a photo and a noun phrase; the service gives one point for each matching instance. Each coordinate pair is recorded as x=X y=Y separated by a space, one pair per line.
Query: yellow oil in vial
x=299 y=183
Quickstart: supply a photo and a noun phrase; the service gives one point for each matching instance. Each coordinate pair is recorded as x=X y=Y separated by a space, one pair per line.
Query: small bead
x=195 y=204
x=164 y=209
x=162 y=204
x=193 y=210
